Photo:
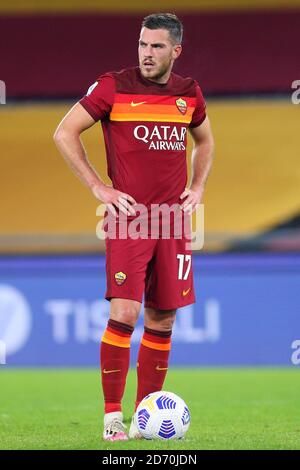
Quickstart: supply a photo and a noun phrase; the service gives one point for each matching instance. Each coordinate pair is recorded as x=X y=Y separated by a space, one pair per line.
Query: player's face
x=157 y=53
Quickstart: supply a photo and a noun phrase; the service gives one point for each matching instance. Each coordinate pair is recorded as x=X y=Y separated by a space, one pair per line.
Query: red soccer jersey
x=144 y=126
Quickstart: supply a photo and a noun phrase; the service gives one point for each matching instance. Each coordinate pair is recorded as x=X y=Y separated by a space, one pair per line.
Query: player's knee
x=127 y=314
x=157 y=322
x=167 y=324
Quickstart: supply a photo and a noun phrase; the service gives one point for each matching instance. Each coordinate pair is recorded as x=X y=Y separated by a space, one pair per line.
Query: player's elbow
x=60 y=135
x=212 y=147
x=207 y=147
x=57 y=135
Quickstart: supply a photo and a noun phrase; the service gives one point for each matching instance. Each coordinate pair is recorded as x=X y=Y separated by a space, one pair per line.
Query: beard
x=155 y=72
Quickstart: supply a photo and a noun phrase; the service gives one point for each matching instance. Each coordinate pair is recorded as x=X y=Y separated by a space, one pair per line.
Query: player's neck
x=163 y=80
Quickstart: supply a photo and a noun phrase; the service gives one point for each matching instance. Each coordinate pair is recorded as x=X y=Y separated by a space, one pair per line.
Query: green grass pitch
x=230 y=409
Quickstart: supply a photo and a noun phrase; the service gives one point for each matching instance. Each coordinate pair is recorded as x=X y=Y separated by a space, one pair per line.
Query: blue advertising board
x=53 y=311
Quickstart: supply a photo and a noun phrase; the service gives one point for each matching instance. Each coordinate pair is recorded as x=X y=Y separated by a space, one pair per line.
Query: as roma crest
x=120 y=278
x=181 y=105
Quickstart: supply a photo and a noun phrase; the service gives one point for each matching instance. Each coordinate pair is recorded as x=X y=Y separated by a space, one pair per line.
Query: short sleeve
x=199 y=113
x=99 y=98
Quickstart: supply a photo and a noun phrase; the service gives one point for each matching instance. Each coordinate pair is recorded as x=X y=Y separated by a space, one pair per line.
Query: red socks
x=152 y=362
x=115 y=355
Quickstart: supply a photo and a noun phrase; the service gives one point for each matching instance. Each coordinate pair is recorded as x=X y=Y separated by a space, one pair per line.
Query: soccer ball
x=162 y=415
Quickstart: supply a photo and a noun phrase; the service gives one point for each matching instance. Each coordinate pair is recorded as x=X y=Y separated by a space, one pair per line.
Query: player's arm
x=68 y=142
x=202 y=157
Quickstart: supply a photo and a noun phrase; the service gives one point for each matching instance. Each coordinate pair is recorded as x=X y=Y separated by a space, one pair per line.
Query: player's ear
x=177 y=49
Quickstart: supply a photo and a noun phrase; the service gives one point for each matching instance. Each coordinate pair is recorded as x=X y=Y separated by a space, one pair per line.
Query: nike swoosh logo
x=111 y=371
x=137 y=104
x=185 y=292
x=161 y=368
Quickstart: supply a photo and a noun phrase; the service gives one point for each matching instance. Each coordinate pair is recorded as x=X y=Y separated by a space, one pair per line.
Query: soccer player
x=145 y=112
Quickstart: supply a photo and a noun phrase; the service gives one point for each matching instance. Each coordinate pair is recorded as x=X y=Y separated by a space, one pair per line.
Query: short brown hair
x=167 y=21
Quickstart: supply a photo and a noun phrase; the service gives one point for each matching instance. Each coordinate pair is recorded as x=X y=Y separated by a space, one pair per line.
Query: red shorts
x=161 y=268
